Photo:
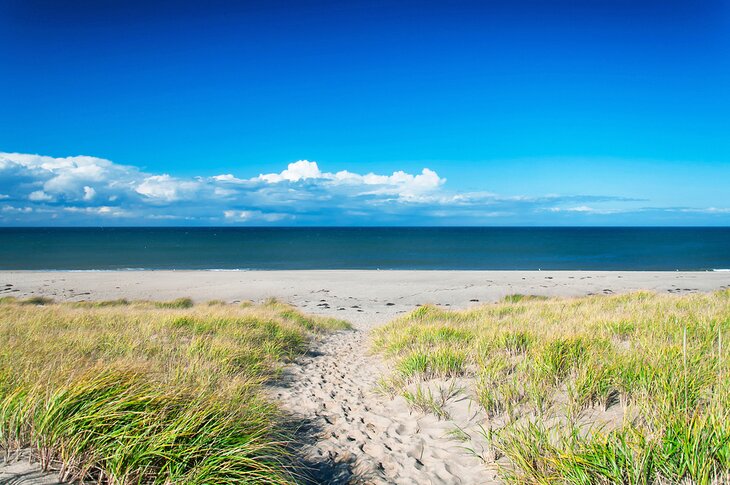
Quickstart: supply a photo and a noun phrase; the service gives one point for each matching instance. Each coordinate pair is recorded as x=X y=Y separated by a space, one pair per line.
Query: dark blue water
x=365 y=248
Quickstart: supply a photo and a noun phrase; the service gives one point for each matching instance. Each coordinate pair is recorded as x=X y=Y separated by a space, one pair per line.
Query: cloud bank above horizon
x=83 y=190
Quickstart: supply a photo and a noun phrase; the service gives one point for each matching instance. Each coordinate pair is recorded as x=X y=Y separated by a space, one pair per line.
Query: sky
x=514 y=112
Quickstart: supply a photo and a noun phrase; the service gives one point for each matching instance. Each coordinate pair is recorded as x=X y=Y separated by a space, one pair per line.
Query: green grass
x=517 y=297
x=177 y=303
x=604 y=389
x=432 y=399
x=143 y=392
x=103 y=303
x=33 y=300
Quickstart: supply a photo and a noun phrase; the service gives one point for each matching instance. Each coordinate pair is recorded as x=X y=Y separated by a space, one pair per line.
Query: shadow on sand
x=316 y=470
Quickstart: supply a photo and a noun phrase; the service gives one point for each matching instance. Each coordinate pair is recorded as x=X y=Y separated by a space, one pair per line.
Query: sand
x=353 y=433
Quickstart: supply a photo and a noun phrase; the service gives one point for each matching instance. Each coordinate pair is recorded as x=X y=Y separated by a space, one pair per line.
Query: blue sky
x=589 y=112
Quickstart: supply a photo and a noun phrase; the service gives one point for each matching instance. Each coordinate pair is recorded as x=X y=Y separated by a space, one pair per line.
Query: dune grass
x=604 y=389
x=127 y=392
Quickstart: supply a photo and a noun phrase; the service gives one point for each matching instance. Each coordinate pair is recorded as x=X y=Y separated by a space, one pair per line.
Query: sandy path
x=22 y=471
x=363 y=436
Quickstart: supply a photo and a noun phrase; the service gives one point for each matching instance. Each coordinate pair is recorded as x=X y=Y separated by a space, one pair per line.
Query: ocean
x=423 y=248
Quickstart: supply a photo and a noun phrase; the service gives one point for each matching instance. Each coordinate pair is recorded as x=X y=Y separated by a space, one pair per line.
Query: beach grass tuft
x=601 y=389
x=518 y=297
x=176 y=303
x=126 y=392
x=33 y=300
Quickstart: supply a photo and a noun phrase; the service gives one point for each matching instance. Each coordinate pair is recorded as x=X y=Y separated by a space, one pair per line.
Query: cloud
x=708 y=210
x=103 y=211
x=400 y=184
x=248 y=216
x=13 y=209
x=89 y=192
x=584 y=209
x=39 y=196
x=65 y=180
x=166 y=189
x=301 y=170
x=38 y=190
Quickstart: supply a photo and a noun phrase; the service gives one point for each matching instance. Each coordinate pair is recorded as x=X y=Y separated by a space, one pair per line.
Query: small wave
x=106 y=270
x=721 y=270
x=226 y=270
x=113 y=270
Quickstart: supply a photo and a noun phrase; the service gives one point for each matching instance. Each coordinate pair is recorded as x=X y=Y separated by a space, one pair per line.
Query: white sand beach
x=361 y=436
x=378 y=294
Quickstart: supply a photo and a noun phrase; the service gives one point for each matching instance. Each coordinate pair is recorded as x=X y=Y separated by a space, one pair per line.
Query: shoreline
x=246 y=270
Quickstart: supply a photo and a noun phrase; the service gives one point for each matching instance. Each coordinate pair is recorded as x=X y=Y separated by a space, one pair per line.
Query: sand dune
x=354 y=434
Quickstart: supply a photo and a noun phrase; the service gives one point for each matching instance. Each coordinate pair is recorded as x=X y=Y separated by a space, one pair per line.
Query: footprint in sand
x=363 y=436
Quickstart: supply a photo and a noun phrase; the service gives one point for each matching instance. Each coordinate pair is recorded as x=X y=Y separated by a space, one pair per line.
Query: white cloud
x=227 y=178
x=13 y=209
x=399 y=183
x=102 y=210
x=301 y=170
x=254 y=215
x=39 y=196
x=89 y=192
x=166 y=188
x=85 y=189
x=406 y=185
x=64 y=180
x=708 y=210
x=580 y=208
x=584 y=209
